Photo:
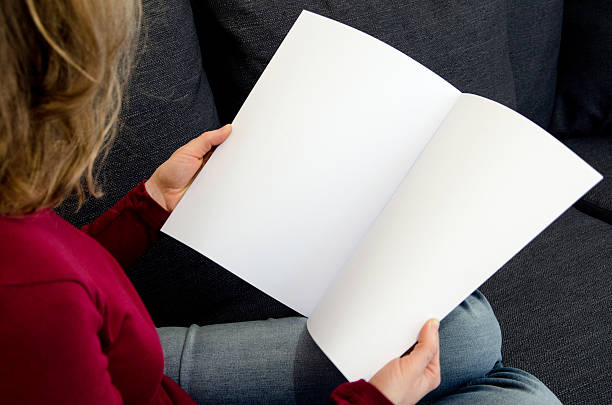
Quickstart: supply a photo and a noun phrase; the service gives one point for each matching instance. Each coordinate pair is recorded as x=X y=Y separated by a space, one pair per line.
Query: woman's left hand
x=170 y=181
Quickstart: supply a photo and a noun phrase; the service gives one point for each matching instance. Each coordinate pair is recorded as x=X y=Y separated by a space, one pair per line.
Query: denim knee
x=470 y=345
x=475 y=321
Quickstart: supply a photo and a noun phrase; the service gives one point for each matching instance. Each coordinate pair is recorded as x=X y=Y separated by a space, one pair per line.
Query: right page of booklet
x=488 y=182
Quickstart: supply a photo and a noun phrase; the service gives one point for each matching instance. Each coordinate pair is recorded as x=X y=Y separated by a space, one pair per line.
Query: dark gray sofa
x=546 y=59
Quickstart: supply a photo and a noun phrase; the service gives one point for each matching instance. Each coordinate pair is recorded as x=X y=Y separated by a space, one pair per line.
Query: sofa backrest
x=534 y=34
x=584 y=92
x=464 y=42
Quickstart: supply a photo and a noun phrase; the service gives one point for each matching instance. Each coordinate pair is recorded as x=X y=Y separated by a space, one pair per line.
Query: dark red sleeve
x=358 y=392
x=51 y=352
x=130 y=226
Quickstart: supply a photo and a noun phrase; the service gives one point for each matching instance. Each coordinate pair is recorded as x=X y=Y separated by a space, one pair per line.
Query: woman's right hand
x=406 y=380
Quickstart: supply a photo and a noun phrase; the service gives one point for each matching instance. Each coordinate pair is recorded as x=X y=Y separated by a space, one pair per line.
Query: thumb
x=204 y=143
x=427 y=347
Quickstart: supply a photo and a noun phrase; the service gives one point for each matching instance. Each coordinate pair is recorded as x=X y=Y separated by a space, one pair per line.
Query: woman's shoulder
x=42 y=248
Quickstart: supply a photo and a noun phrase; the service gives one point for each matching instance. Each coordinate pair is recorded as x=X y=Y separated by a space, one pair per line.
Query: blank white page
x=318 y=148
x=487 y=183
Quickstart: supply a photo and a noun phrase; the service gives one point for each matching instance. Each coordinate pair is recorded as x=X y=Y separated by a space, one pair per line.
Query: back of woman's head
x=62 y=68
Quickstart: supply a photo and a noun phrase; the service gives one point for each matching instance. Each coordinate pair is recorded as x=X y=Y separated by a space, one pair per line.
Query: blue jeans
x=276 y=361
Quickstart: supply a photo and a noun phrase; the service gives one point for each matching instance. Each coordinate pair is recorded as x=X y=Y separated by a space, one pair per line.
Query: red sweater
x=73 y=330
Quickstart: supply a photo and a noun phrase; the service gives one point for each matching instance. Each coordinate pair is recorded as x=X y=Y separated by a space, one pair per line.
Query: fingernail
x=435 y=324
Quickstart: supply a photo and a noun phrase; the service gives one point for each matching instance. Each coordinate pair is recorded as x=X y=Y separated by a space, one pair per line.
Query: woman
x=72 y=327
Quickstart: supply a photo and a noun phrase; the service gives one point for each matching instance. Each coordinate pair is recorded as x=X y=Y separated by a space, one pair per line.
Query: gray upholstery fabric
x=534 y=34
x=597 y=151
x=553 y=302
x=466 y=43
x=584 y=93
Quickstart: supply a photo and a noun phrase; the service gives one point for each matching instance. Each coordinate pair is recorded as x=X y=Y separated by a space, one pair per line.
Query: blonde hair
x=63 y=66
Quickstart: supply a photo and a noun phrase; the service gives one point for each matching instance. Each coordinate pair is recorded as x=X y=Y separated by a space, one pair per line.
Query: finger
x=427 y=348
x=204 y=143
x=433 y=369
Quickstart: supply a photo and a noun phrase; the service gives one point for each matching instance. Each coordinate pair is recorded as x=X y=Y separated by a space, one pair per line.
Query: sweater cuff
x=360 y=392
x=147 y=208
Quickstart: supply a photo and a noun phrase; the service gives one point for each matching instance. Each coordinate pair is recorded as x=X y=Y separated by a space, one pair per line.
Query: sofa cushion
x=553 y=303
x=465 y=43
x=534 y=35
x=597 y=151
x=584 y=92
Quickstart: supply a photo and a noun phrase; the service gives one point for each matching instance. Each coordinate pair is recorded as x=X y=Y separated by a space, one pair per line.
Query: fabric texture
x=466 y=44
x=534 y=36
x=276 y=361
x=73 y=327
x=553 y=303
x=584 y=92
x=597 y=151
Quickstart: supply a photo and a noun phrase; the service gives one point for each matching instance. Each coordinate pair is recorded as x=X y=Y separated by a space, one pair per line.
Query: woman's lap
x=276 y=361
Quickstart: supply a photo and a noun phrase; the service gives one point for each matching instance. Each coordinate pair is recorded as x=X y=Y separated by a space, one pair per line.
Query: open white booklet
x=364 y=191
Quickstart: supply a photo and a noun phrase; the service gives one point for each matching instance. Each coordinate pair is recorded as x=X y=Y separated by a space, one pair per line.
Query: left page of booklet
x=318 y=148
